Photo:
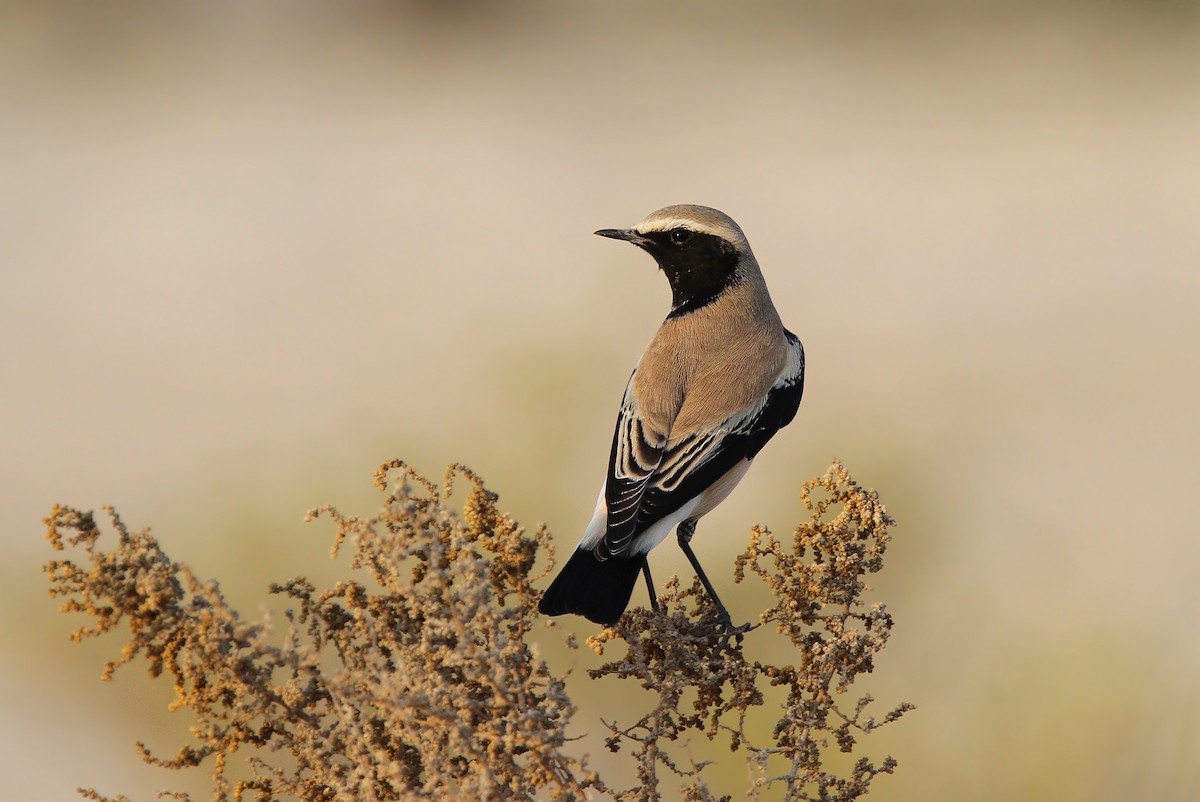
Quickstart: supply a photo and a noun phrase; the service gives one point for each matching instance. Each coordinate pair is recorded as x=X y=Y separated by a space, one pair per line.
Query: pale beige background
x=250 y=251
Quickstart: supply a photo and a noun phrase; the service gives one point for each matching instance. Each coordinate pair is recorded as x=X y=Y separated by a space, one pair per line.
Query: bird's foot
x=725 y=630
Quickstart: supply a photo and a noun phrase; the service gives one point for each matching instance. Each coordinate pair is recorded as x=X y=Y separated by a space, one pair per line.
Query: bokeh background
x=251 y=250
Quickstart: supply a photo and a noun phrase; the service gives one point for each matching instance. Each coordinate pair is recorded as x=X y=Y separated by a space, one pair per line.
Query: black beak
x=627 y=234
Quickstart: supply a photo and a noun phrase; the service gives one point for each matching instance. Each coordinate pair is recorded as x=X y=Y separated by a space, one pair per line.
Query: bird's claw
x=727 y=630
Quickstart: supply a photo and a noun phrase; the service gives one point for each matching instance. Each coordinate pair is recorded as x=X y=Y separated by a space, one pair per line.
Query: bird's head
x=701 y=251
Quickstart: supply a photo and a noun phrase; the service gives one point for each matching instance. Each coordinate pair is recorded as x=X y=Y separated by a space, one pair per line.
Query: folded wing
x=650 y=477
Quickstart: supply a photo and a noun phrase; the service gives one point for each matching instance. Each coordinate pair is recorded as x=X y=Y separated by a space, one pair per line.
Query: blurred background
x=250 y=251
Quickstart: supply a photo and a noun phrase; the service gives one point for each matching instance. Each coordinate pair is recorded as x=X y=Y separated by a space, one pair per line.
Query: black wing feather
x=645 y=495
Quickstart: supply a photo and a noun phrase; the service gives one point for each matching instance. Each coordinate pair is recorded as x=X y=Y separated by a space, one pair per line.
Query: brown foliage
x=420 y=684
x=817 y=580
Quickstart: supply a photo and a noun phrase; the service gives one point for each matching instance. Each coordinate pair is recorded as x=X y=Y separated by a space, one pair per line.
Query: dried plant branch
x=419 y=683
x=416 y=685
x=817 y=581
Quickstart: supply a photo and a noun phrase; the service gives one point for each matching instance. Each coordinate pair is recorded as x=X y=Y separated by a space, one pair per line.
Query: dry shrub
x=420 y=684
x=705 y=683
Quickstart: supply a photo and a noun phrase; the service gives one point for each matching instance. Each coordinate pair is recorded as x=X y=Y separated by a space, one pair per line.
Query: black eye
x=680 y=235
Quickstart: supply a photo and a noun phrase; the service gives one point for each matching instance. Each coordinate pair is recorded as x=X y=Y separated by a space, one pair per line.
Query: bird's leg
x=684 y=533
x=650 y=585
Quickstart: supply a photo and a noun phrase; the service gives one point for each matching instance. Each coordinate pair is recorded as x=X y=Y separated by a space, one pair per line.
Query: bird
x=719 y=378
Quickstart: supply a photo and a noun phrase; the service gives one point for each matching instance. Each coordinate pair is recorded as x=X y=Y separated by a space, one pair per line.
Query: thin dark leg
x=684 y=533
x=650 y=585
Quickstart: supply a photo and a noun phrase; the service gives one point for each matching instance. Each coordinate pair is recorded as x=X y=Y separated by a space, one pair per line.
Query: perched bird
x=720 y=377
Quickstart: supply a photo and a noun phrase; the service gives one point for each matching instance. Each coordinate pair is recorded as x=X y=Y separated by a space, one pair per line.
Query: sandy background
x=249 y=251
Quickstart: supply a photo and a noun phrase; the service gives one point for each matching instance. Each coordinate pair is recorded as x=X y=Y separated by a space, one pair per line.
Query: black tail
x=597 y=590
